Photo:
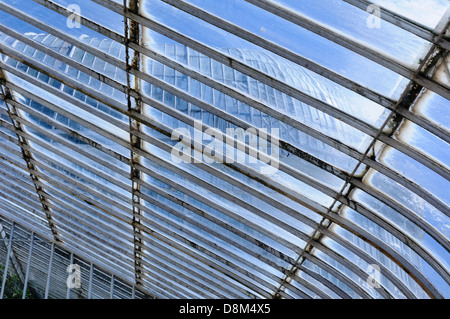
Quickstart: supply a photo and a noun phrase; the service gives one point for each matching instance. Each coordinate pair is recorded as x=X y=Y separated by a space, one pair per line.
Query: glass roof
x=232 y=149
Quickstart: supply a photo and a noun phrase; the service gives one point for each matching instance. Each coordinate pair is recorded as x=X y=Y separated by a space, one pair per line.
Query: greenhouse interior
x=238 y=149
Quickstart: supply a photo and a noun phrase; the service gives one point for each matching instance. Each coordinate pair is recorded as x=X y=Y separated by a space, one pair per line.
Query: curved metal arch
x=389 y=252
x=182 y=244
x=59 y=138
x=92 y=191
x=114 y=138
x=173 y=280
x=298 y=291
x=324 y=281
x=410 y=185
x=255 y=73
x=338 y=275
x=201 y=281
x=206 y=270
x=438 y=237
x=316 y=68
x=388 y=273
x=207 y=247
x=276 y=84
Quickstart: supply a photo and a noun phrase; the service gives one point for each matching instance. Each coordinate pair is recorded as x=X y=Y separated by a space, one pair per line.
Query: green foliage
x=13 y=286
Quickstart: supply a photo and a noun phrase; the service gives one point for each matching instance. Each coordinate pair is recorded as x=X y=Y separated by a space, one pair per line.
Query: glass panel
x=171 y=281
x=229 y=226
x=218 y=241
x=238 y=225
x=210 y=230
x=401 y=248
x=222 y=281
x=317 y=284
x=413 y=202
x=244 y=213
x=345 y=271
x=285 y=105
x=295 y=294
x=86 y=8
x=197 y=251
x=92 y=214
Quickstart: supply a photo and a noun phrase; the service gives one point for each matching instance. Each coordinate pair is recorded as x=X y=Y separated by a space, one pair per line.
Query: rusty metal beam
x=26 y=155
